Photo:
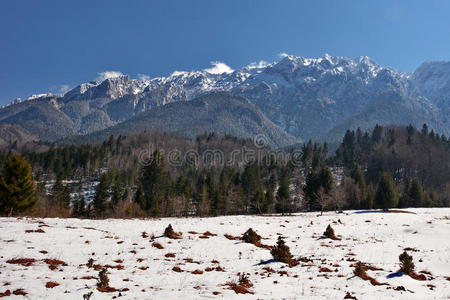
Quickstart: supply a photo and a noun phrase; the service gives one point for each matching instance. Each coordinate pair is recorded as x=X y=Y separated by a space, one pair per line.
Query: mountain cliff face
x=304 y=98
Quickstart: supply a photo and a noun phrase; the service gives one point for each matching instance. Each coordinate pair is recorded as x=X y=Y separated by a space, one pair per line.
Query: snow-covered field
x=141 y=271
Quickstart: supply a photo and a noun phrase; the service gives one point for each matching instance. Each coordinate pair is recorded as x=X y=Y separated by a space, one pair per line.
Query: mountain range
x=288 y=101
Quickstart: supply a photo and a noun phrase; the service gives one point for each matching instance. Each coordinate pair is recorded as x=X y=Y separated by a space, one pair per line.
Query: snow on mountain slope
x=306 y=97
x=143 y=271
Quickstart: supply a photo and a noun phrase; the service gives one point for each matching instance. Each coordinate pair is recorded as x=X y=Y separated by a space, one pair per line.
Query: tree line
x=385 y=168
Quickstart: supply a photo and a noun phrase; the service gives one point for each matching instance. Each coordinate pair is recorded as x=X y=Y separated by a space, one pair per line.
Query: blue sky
x=49 y=45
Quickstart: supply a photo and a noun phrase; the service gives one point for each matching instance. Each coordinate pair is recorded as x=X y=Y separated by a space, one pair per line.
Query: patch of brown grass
x=239 y=289
x=107 y=289
x=169 y=255
x=177 y=269
x=20 y=292
x=39 y=230
x=207 y=233
x=22 y=261
x=157 y=245
x=51 y=284
x=231 y=237
x=6 y=293
x=416 y=276
x=197 y=272
x=325 y=269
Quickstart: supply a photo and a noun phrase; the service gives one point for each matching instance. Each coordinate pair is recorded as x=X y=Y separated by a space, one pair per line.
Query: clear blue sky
x=47 y=44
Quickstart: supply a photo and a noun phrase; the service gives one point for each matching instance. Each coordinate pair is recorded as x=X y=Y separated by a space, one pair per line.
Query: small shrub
x=406 y=263
x=250 y=236
x=90 y=262
x=329 y=233
x=245 y=281
x=360 y=270
x=168 y=232
x=281 y=252
x=103 y=280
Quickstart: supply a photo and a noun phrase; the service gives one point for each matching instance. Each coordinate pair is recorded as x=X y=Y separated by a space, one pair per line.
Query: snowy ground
x=144 y=272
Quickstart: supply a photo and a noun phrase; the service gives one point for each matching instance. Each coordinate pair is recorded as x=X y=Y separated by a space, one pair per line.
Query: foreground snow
x=375 y=238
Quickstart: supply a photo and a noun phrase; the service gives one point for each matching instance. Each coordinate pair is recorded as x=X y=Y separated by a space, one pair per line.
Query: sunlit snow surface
x=375 y=238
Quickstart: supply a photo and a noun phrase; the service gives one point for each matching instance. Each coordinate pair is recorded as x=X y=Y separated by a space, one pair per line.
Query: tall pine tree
x=17 y=187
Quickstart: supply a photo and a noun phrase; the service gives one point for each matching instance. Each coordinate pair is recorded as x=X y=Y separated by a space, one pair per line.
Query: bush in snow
x=250 y=236
x=170 y=233
x=281 y=252
x=406 y=263
x=360 y=270
x=103 y=280
x=329 y=233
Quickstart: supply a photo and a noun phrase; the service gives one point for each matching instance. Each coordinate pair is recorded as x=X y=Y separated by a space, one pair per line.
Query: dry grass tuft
x=22 y=261
x=51 y=284
x=157 y=245
x=231 y=237
x=39 y=230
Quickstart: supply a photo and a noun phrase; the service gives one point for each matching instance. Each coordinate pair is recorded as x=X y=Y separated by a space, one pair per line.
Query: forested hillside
x=157 y=174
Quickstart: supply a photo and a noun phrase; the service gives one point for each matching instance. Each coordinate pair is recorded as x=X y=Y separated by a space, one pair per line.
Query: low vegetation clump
x=361 y=271
x=281 y=252
x=170 y=233
x=51 y=284
x=250 y=236
x=242 y=286
x=329 y=233
x=157 y=245
x=406 y=263
x=407 y=266
x=103 y=282
x=22 y=261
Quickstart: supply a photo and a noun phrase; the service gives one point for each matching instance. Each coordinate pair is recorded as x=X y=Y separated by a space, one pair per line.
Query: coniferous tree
x=154 y=181
x=283 y=193
x=102 y=196
x=17 y=187
x=139 y=197
x=386 y=196
x=416 y=193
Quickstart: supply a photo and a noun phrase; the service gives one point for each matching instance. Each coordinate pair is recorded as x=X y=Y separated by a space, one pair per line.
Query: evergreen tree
x=416 y=193
x=139 y=197
x=102 y=195
x=17 y=187
x=283 y=193
x=60 y=194
x=377 y=134
x=154 y=181
x=386 y=196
